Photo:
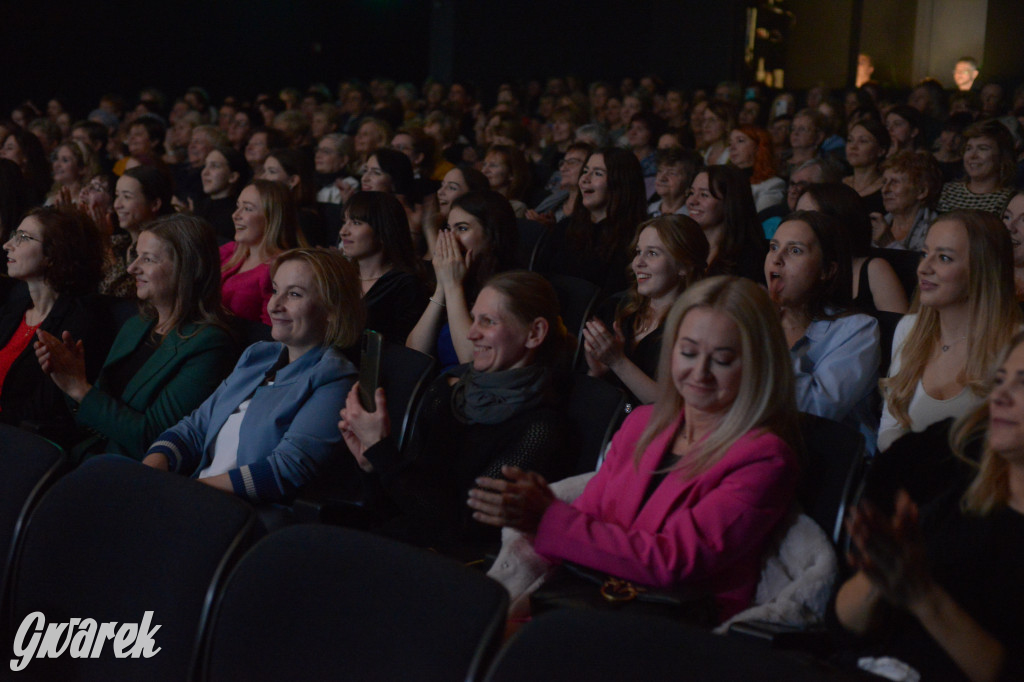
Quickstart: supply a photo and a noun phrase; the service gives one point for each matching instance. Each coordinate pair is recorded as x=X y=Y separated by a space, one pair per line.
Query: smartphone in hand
x=369 y=369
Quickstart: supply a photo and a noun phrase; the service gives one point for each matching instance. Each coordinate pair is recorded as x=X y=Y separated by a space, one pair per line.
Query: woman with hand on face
x=375 y=236
x=269 y=428
x=670 y=254
x=866 y=147
x=223 y=176
x=1013 y=216
x=58 y=254
x=875 y=286
x=835 y=353
x=750 y=150
x=693 y=486
x=497 y=410
x=480 y=242
x=721 y=202
x=911 y=182
x=266 y=225
x=456 y=182
x=990 y=164
x=963 y=313
x=166 y=360
x=940 y=590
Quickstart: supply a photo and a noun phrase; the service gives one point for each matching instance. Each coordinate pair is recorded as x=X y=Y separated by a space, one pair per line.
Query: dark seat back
x=595 y=410
x=316 y=602
x=30 y=464
x=530 y=234
x=584 y=644
x=833 y=467
x=576 y=300
x=904 y=263
x=114 y=539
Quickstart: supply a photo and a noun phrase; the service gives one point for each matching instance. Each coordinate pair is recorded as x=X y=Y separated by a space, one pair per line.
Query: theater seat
x=316 y=602
x=29 y=465
x=114 y=539
x=593 y=646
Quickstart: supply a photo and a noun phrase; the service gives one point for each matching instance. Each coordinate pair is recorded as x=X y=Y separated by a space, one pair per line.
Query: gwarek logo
x=81 y=638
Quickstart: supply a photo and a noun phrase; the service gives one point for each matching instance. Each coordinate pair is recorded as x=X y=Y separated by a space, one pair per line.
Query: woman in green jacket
x=166 y=360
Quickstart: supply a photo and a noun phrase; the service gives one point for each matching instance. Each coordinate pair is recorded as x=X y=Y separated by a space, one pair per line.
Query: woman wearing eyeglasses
x=59 y=256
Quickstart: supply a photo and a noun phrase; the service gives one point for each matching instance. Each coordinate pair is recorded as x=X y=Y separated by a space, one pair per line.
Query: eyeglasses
x=20 y=237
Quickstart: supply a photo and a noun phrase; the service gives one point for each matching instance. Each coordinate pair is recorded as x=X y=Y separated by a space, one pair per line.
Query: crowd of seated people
x=750 y=253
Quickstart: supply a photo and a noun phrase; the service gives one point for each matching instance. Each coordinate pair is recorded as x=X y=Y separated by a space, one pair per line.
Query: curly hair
x=73 y=249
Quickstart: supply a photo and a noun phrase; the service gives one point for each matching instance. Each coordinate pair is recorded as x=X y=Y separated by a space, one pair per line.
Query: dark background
x=79 y=50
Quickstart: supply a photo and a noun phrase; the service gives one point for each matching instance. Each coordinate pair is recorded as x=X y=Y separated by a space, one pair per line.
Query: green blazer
x=182 y=372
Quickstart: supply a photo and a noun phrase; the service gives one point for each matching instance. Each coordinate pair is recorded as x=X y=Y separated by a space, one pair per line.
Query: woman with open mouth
x=835 y=351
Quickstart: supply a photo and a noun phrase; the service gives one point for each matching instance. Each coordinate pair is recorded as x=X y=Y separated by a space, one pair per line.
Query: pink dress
x=245 y=294
x=710 y=530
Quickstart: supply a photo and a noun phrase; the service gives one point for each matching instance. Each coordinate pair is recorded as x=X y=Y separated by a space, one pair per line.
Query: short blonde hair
x=766 y=399
x=337 y=287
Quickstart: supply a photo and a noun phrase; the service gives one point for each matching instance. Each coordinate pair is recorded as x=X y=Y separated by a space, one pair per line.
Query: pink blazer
x=245 y=294
x=709 y=531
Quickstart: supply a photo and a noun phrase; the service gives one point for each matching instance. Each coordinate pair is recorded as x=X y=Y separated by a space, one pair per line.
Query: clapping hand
x=64 y=361
x=519 y=502
x=891 y=551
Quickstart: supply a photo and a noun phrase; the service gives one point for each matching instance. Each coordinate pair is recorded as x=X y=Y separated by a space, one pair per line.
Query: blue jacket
x=289 y=429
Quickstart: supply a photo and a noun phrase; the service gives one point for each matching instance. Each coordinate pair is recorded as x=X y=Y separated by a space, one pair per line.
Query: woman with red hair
x=750 y=149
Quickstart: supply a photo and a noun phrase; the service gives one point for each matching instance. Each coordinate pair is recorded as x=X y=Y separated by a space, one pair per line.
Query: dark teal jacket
x=182 y=372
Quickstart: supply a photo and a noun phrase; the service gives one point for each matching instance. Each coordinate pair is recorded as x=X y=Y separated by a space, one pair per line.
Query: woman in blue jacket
x=270 y=427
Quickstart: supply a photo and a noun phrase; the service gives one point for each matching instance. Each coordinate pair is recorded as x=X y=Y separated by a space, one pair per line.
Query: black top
x=645 y=354
x=394 y=305
x=218 y=213
x=865 y=301
x=873 y=202
x=558 y=256
x=30 y=398
x=979 y=561
x=748 y=262
x=429 y=482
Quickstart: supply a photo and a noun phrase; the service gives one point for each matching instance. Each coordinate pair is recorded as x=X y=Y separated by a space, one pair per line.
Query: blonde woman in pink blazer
x=692 y=486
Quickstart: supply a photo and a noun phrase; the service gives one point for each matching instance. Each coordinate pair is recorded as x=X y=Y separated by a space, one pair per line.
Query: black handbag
x=575 y=586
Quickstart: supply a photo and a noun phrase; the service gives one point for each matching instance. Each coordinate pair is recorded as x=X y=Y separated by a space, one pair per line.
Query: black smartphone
x=369 y=369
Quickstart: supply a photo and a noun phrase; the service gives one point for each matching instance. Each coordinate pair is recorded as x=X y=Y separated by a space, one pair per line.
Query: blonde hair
x=336 y=284
x=766 y=399
x=990 y=489
x=993 y=316
x=282 y=230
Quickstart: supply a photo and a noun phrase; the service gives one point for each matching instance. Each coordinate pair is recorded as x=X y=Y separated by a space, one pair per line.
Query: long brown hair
x=194 y=254
x=685 y=244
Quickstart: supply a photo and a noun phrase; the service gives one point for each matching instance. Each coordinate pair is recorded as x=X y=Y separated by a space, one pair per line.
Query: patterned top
x=955 y=196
